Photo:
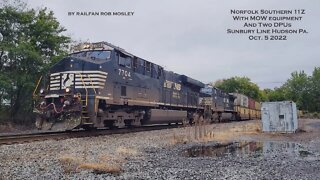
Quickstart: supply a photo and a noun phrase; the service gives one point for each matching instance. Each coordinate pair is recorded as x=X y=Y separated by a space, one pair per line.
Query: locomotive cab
x=67 y=101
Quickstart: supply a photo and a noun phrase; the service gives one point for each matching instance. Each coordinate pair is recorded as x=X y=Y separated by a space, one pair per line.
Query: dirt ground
x=308 y=129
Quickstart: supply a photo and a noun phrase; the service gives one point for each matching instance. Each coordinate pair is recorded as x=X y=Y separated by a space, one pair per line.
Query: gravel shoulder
x=172 y=154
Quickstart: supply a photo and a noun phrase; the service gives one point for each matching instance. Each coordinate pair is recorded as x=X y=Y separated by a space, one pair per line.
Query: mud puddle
x=245 y=148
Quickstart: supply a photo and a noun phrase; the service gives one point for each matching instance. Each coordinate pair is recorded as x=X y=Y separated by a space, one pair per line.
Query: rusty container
x=252 y=103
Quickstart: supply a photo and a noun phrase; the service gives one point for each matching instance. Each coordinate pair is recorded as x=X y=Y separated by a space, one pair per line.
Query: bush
x=316 y=115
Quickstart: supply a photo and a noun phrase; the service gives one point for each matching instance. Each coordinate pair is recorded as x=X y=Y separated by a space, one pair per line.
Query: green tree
x=31 y=41
x=298 y=89
x=315 y=90
x=277 y=94
x=241 y=85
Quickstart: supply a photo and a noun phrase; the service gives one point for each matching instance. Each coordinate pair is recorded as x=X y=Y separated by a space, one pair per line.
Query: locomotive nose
x=73 y=64
x=65 y=64
x=76 y=74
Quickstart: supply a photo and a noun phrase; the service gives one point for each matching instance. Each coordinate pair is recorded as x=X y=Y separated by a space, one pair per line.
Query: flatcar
x=101 y=85
x=246 y=107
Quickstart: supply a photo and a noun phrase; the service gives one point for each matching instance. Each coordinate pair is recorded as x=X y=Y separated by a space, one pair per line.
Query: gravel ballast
x=162 y=154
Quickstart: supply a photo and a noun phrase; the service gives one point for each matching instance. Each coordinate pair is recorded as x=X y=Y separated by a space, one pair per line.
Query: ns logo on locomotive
x=101 y=85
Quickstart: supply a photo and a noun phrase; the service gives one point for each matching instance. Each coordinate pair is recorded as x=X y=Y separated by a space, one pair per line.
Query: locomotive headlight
x=67 y=90
x=41 y=91
x=66 y=103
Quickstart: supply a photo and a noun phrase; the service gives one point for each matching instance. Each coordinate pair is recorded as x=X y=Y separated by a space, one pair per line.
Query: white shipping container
x=279 y=117
x=241 y=100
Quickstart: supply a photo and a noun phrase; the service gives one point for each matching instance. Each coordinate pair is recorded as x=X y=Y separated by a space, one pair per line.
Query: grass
x=111 y=159
x=106 y=164
x=310 y=115
x=203 y=132
x=127 y=151
x=197 y=133
x=100 y=168
x=101 y=164
x=69 y=163
x=226 y=134
x=178 y=139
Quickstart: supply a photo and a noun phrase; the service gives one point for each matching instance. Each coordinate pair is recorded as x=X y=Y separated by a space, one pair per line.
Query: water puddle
x=245 y=148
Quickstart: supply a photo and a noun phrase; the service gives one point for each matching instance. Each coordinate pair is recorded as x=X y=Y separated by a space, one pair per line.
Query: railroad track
x=42 y=136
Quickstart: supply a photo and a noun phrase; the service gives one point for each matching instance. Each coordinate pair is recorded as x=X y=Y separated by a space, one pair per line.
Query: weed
x=127 y=151
x=69 y=163
x=111 y=159
x=100 y=168
x=178 y=139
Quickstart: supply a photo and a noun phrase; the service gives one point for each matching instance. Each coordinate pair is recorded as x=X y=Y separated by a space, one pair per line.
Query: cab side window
x=148 y=66
x=160 y=71
x=135 y=63
x=125 y=60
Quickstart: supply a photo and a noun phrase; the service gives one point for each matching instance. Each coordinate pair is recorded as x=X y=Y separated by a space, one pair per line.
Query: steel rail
x=42 y=136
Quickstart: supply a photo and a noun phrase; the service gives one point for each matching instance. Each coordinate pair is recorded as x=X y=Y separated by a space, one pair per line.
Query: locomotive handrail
x=94 y=89
x=85 y=87
x=34 y=92
x=95 y=93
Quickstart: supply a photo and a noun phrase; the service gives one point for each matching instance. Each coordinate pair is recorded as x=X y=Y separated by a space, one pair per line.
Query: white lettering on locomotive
x=124 y=73
x=172 y=85
x=67 y=80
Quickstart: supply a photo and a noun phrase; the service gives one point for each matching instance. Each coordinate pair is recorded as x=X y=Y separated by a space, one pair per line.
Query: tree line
x=31 y=41
x=301 y=88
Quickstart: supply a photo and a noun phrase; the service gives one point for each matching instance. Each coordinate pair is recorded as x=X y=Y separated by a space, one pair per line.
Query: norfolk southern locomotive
x=101 y=85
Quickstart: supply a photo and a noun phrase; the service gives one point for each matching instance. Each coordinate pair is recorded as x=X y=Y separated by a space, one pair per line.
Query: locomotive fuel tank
x=160 y=116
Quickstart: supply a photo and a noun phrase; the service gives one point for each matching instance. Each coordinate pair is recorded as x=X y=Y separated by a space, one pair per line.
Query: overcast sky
x=189 y=36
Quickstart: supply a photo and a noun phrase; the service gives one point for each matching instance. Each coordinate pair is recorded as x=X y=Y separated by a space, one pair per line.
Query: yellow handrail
x=84 y=84
x=95 y=93
x=34 y=92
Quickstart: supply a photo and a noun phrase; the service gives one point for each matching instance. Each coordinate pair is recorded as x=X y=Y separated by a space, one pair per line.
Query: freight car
x=101 y=85
x=221 y=106
x=246 y=107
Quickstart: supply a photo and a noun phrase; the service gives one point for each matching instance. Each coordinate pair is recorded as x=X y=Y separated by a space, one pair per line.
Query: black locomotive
x=101 y=85
x=218 y=104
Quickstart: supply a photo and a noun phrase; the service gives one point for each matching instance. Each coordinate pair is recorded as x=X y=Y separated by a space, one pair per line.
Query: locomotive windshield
x=93 y=55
